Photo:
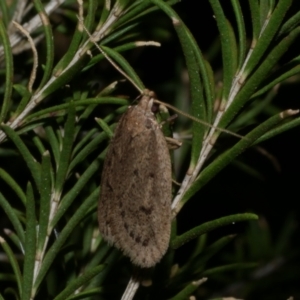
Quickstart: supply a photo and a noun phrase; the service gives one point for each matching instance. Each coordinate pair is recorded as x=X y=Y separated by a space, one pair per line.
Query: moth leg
x=169 y=120
x=173 y=143
x=176 y=182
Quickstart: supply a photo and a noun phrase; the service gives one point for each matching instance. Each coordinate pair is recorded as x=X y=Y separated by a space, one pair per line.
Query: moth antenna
x=80 y=19
x=198 y=120
x=107 y=57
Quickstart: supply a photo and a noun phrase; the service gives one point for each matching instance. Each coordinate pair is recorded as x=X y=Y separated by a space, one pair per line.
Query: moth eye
x=155 y=108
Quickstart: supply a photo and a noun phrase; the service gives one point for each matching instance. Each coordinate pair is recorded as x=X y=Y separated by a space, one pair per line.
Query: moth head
x=147 y=102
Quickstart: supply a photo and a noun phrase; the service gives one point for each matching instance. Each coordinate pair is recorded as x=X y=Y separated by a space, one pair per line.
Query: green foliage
x=51 y=242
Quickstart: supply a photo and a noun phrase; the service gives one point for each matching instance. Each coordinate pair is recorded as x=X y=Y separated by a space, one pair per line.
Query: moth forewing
x=134 y=210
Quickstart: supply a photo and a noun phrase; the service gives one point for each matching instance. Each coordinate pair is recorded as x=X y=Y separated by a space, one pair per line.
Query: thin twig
x=32 y=25
x=35 y=55
x=132 y=286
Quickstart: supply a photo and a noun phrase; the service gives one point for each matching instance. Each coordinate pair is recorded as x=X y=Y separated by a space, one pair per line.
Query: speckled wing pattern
x=134 y=210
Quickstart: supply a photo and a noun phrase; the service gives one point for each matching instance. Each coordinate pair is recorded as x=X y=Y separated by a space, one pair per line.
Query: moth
x=134 y=209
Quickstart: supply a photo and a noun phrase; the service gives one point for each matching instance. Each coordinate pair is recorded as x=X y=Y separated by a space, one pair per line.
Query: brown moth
x=134 y=209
